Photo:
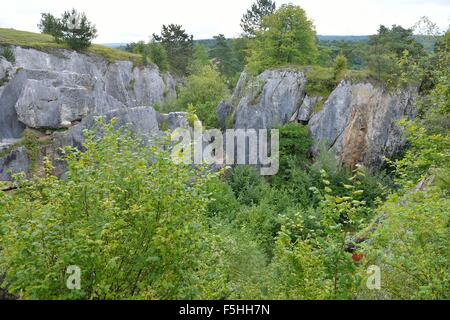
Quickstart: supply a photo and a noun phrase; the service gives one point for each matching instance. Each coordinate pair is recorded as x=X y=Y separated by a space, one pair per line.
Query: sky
x=134 y=20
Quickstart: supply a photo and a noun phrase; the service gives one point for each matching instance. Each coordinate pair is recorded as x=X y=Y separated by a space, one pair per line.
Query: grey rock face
x=268 y=100
x=61 y=87
x=141 y=120
x=144 y=122
x=53 y=99
x=222 y=111
x=67 y=89
x=6 y=70
x=10 y=126
x=306 y=109
x=13 y=163
x=358 y=123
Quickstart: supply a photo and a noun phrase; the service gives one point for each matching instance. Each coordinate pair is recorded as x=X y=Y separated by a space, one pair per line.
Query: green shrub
x=411 y=247
x=135 y=229
x=8 y=54
x=158 y=56
x=339 y=67
x=204 y=90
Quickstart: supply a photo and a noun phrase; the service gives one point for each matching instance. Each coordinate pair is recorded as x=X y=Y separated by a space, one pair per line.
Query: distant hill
x=343 y=38
x=210 y=42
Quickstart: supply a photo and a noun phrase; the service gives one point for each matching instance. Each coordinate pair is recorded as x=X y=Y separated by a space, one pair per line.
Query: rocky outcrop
x=144 y=122
x=268 y=100
x=14 y=162
x=223 y=110
x=53 y=90
x=6 y=70
x=304 y=113
x=61 y=91
x=359 y=123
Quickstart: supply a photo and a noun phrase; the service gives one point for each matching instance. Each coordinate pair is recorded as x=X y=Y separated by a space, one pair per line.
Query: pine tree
x=251 y=21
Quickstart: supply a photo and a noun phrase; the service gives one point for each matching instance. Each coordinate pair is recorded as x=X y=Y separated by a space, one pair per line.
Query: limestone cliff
x=358 y=121
x=56 y=90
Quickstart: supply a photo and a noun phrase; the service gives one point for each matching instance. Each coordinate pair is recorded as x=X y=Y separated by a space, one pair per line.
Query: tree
x=287 y=37
x=50 y=25
x=136 y=228
x=77 y=31
x=204 y=90
x=73 y=28
x=179 y=47
x=224 y=57
x=387 y=48
x=199 y=59
x=252 y=20
x=158 y=55
x=339 y=67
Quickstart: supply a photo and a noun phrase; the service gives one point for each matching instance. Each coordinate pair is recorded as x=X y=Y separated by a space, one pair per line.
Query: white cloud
x=132 y=20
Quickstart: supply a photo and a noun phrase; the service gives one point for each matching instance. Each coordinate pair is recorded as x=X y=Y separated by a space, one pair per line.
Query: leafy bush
x=204 y=90
x=158 y=56
x=411 y=247
x=339 y=67
x=135 y=229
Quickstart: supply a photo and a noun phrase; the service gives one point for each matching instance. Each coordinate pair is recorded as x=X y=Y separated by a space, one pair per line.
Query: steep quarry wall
x=358 y=121
x=52 y=91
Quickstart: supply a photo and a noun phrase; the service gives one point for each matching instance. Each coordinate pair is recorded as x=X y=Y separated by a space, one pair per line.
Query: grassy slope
x=46 y=42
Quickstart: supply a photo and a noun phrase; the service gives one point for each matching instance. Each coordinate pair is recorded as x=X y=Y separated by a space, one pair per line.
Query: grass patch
x=45 y=42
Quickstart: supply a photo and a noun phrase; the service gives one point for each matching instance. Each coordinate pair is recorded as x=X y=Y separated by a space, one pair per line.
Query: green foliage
x=179 y=47
x=151 y=52
x=251 y=22
x=73 y=28
x=158 y=56
x=247 y=184
x=354 y=51
x=204 y=90
x=8 y=54
x=295 y=142
x=134 y=228
x=224 y=57
x=426 y=154
x=411 y=247
x=51 y=26
x=76 y=30
x=321 y=81
x=287 y=37
x=199 y=59
x=339 y=67
x=394 y=55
